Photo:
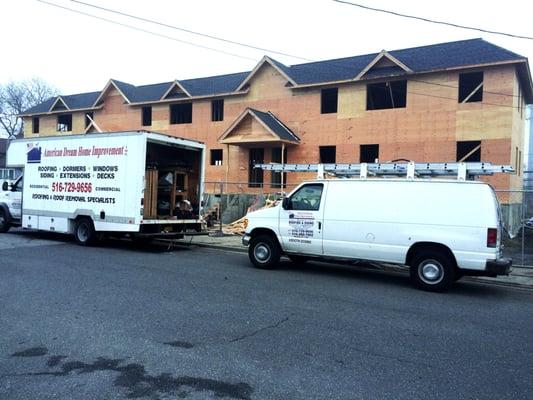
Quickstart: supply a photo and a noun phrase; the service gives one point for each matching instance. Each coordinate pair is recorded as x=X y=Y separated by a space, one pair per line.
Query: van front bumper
x=246 y=239
x=501 y=266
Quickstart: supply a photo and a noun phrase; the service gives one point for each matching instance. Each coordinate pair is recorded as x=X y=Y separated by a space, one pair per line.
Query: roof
x=436 y=57
x=273 y=125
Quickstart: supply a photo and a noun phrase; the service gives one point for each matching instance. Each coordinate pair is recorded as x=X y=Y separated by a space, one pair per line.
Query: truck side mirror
x=286 y=203
x=5 y=186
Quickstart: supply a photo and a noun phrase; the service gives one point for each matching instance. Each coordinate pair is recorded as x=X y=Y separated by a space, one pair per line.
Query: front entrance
x=255 y=175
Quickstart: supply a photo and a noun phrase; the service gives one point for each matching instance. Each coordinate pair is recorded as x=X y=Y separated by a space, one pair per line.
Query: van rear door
x=300 y=224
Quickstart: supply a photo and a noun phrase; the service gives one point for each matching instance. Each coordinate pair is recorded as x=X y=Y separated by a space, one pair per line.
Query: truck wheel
x=84 y=232
x=432 y=271
x=264 y=252
x=4 y=223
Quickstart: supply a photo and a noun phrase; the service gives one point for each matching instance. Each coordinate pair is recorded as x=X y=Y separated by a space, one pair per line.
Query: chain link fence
x=517 y=218
x=227 y=202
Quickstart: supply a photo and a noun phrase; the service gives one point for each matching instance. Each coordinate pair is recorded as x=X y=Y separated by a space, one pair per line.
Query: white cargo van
x=443 y=229
x=140 y=184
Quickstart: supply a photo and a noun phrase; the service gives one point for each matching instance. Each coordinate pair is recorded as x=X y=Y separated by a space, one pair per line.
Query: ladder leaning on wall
x=461 y=170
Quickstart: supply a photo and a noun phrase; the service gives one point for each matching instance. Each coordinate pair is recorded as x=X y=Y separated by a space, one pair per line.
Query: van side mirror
x=286 y=203
x=5 y=186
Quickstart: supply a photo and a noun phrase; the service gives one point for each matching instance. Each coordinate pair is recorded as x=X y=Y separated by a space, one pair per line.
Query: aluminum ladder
x=460 y=170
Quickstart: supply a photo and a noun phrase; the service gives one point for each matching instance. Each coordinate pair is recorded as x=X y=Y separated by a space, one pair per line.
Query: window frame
x=212 y=160
x=217 y=110
x=361 y=152
x=35 y=127
x=145 y=117
x=316 y=208
x=320 y=148
x=324 y=95
x=175 y=108
x=67 y=125
x=388 y=86
x=461 y=97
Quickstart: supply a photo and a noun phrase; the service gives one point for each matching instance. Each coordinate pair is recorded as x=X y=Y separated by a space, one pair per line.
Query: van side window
x=307 y=197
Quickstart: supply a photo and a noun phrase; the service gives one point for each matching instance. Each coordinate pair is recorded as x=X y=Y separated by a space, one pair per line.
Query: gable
x=383 y=64
x=58 y=105
x=267 y=83
x=175 y=91
x=254 y=126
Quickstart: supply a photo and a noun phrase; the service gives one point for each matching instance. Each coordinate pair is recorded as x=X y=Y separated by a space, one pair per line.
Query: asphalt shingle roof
x=275 y=125
x=419 y=59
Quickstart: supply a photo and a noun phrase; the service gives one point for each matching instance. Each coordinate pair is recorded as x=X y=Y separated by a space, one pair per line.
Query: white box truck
x=442 y=229
x=140 y=184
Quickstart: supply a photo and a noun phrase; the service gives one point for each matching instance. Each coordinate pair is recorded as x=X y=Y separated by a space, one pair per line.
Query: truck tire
x=433 y=271
x=4 y=222
x=264 y=252
x=84 y=232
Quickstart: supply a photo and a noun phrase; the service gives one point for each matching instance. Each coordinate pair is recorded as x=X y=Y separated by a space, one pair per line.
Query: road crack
x=262 y=329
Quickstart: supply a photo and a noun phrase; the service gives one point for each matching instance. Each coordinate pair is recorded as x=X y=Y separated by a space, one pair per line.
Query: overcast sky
x=77 y=53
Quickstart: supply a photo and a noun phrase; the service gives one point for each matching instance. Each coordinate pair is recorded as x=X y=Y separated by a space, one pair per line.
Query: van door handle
x=319 y=225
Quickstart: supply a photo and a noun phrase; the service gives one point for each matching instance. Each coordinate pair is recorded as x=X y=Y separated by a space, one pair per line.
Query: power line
x=457 y=87
x=146 y=31
x=433 y=21
x=190 y=31
x=455 y=99
x=234 y=54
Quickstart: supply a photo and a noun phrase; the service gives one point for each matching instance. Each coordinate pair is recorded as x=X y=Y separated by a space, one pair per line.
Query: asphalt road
x=116 y=322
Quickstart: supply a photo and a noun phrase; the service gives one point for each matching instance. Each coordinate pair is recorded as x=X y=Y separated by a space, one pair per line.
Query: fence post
x=220 y=207
x=523 y=228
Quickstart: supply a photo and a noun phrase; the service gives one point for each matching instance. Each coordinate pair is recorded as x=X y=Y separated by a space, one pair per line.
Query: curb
x=383 y=267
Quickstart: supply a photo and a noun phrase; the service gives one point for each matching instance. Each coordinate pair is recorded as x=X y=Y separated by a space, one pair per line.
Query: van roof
x=426 y=180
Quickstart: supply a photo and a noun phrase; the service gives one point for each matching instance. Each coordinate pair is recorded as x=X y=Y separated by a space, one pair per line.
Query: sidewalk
x=519 y=277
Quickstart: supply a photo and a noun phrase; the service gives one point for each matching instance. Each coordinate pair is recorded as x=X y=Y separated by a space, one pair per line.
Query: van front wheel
x=264 y=252
x=84 y=232
x=432 y=271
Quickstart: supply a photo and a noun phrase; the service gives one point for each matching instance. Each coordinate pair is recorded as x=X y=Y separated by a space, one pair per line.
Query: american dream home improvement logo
x=33 y=152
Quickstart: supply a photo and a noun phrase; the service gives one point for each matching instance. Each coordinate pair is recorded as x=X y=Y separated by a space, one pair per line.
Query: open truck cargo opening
x=132 y=183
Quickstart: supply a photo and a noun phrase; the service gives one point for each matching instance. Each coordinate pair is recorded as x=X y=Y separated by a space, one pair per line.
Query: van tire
x=4 y=222
x=84 y=232
x=264 y=252
x=433 y=271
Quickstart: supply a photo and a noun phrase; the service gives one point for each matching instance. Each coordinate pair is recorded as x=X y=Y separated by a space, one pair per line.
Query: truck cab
x=11 y=204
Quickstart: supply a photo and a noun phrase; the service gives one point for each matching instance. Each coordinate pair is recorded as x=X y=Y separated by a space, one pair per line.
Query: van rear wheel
x=432 y=271
x=4 y=223
x=84 y=232
x=264 y=252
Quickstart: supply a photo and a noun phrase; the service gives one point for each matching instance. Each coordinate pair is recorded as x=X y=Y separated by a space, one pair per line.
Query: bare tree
x=17 y=97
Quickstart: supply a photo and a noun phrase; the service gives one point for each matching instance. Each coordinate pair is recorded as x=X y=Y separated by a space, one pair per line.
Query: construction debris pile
x=237 y=227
